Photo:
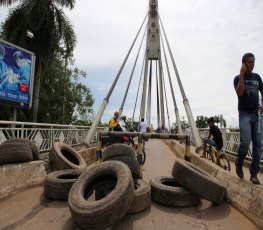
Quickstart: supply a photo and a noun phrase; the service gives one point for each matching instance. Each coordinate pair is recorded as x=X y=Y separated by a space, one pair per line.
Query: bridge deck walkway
x=31 y=210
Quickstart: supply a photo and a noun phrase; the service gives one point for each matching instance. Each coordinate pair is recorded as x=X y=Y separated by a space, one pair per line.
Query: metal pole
x=158 y=104
x=129 y=83
x=161 y=89
x=190 y=117
x=142 y=113
x=95 y=123
x=180 y=131
x=138 y=90
x=149 y=96
x=167 y=110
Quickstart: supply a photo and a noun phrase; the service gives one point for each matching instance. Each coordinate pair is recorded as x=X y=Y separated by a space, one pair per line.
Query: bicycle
x=222 y=159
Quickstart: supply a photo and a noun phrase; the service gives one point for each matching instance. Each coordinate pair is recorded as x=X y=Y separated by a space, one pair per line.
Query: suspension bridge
x=155 y=69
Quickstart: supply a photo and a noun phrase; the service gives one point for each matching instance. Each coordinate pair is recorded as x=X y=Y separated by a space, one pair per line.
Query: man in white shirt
x=143 y=128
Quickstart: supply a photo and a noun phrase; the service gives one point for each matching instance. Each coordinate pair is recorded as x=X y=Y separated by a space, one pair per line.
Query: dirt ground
x=31 y=210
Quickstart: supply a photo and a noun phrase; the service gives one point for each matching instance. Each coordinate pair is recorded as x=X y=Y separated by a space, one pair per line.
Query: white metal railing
x=44 y=135
x=230 y=140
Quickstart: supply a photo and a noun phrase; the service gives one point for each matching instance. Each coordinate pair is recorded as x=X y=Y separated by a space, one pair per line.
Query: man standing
x=143 y=126
x=248 y=85
x=143 y=129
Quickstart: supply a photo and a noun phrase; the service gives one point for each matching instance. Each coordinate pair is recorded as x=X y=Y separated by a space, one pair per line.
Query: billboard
x=17 y=67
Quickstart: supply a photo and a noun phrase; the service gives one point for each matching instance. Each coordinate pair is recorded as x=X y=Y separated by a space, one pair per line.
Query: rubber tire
x=198 y=181
x=14 y=152
x=58 y=184
x=132 y=164
x=106 y=212
x=118 y=150
x=32 y=145
x=142 y=197
x=62 y=156
x=167 y=191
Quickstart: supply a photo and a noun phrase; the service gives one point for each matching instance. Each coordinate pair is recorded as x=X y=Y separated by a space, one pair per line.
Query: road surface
x=31 y=210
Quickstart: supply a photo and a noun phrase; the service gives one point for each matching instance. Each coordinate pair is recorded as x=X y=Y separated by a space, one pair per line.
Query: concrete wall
x=242 y=194
x=21 y=176
x=16 y=177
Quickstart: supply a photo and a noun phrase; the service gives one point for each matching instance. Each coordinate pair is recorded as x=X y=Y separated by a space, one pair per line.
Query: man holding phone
x=248 y=85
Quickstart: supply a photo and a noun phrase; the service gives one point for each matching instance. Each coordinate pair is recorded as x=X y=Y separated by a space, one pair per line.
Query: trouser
x=249 y=131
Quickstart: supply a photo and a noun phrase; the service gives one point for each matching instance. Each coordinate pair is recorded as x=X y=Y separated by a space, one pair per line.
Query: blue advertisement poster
x=16 y=75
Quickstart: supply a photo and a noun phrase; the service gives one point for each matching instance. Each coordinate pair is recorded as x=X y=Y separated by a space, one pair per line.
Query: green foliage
x=201 y=121
x=62 y=98
x=51 y=29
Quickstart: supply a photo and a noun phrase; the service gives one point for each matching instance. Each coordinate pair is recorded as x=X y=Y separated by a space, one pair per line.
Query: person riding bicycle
x=216 y=141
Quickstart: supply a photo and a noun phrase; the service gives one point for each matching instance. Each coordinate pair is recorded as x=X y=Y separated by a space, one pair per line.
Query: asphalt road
x=31 y=210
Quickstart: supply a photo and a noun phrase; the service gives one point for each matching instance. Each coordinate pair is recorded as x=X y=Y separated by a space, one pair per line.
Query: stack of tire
x=18 y=150
x=99 y=195
x=188 y=184
x=126 y=154
x=65 y=166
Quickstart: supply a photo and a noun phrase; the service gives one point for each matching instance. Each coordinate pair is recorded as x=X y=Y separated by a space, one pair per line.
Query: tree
x=51 y=29
x=7 y=2
x=63 y=98
x=201 y=122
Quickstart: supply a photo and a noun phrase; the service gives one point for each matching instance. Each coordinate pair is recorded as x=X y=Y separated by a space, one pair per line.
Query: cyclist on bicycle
x=216 y=141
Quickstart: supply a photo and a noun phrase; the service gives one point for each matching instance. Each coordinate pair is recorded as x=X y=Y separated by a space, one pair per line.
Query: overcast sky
x=208 y=39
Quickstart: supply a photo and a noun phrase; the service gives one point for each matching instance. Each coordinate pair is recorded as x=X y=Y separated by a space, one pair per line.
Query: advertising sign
x=17 y=67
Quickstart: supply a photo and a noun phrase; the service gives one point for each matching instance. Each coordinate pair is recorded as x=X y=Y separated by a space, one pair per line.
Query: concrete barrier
x=17 y=177
x=88 y=154
x=21 y=176
x=242 y=194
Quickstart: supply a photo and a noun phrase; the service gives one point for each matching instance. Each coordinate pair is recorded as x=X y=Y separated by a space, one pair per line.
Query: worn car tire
x=198 y=181
x=14 y=152
x=142 y=196
x=106 y=212
x=118 y=150
x=131 y=162
x=32 y=145
x=62 y=156
x=58 y=184
x=167 y=191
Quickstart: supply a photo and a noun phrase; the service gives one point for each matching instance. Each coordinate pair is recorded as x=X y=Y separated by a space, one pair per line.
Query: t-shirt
x=249 y=101
x=143 y=127
x=113 y=123
x=217 y=136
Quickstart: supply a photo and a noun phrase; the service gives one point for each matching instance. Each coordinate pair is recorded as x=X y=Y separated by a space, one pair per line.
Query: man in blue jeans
x=248 y=85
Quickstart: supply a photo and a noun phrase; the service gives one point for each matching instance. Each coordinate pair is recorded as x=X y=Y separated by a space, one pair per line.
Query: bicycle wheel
x=224 y=162
x=210 y=156
x=141 y=158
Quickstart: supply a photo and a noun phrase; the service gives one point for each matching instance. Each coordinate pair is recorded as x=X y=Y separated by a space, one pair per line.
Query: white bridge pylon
x=153 y=55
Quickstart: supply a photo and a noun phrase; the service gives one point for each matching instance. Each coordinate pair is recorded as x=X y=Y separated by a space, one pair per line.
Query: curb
x=242 y=194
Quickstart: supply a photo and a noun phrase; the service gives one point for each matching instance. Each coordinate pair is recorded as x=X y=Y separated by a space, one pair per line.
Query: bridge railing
x=231 y=141
x=44 y=135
